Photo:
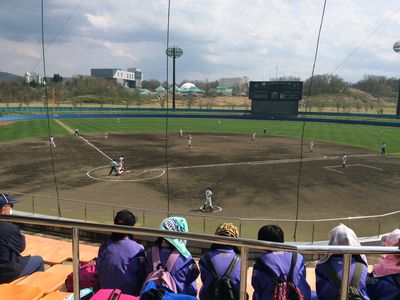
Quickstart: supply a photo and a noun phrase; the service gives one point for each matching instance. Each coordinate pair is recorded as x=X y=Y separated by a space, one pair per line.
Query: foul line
x=268 y=162
x=331 y=168
x=85 y=140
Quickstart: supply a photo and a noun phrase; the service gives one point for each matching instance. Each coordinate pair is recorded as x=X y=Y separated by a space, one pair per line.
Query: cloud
x=225 y=38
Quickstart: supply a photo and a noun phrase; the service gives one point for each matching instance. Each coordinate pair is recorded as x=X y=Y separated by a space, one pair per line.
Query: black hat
x=125 y=217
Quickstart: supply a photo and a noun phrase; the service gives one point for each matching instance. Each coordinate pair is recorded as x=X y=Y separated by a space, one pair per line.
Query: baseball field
x=252 y=179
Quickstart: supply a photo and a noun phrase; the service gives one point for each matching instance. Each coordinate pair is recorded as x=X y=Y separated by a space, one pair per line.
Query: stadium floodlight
x=396 y=48
x=173 y=52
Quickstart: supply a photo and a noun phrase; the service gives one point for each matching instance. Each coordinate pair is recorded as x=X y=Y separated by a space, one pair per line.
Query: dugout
x=275 y=97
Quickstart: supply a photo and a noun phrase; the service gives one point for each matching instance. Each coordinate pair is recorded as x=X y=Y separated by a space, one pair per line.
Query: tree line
x=90 y=89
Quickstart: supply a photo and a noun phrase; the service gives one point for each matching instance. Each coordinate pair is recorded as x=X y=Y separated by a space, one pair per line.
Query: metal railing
x=31 y=203
x=243 y=244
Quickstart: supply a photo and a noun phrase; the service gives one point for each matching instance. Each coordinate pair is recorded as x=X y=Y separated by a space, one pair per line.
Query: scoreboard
x=275 y=97
x=276 y=90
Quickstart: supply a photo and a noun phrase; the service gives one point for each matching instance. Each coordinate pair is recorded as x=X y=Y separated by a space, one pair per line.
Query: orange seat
x=61 y=269
x=57 y=251
x=18 y=280
x=57 y=295
x=46 y=281
x=20 y=292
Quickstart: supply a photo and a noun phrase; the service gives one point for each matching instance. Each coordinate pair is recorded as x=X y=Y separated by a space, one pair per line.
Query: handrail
x=243 y=244
x=238 y=219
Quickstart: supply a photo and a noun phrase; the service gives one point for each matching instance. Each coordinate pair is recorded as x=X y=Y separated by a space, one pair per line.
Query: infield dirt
x=250 y=178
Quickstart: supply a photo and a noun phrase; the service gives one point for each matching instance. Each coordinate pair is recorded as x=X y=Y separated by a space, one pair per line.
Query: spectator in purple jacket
x=384 y=281
x=12 y=243
x=327 y=288
x=120 y=262
x=279 y=262
x=221 y=257
x=185 y=270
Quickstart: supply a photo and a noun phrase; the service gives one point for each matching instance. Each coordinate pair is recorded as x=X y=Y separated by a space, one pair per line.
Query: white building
x=235 y=82
x=33 y=77
x=130 y=78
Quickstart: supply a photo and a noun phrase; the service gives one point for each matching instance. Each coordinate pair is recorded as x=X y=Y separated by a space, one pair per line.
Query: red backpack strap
x=171 y=260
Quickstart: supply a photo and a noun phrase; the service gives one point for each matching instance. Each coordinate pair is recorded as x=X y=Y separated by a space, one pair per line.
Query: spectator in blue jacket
x=12 y=243
x=185 y=270
x=221 y=257
x=327 y=288
x=120 y=262
x=384 y=281
x=279 y=262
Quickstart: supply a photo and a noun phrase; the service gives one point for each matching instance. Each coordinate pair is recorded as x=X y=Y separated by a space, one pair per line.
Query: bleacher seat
x=57 y=295
x=20 y=292
x=56 y=251
x=61 y=269
x=46 y=281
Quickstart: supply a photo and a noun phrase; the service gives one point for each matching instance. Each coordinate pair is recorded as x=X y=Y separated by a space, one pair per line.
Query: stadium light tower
x=173 y=52
x=396 y=48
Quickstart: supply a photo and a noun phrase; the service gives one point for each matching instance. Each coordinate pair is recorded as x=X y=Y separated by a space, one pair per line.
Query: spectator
x=384 y=281
x=279 y=262
x=328 y=287
x=221 y=256
x=185 y=270
x=12 y=243
x=120 y=262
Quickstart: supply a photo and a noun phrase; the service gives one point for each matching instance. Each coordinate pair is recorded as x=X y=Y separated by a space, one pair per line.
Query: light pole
x=173 y=52
x=396 y=48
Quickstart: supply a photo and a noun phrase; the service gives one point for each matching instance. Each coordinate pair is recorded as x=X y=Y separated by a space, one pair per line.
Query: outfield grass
x=368 y=137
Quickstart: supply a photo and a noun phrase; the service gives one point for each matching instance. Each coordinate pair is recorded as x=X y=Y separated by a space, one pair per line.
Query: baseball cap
x=6 y=199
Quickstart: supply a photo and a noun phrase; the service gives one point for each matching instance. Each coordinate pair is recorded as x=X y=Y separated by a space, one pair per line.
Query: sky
x=261 y=39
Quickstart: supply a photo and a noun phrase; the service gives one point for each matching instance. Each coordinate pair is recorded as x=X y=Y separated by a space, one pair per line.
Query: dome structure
x=187 y=86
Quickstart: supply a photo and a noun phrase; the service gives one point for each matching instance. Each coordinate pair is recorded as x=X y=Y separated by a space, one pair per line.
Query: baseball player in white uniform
x=52 y=144
x=208 y=201
x=344 y=160
x=189 y=141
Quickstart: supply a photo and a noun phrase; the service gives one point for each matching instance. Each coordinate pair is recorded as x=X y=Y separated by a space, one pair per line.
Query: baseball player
x=76 y=132
x=189 y=141
x=106 y=135
x=208 y=201
x=383 y=148
x=254 y=136
x=181 y=132
x=52 y=144
x=311 y=146
x=344 y=160
x=122 y=162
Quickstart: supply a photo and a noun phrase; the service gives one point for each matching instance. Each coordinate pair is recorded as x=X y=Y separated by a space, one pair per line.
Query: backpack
x=284 y=286
x=221 y=287
x=353 y=294
x=153 y=292
x=88 y=277
x=112 y=294
x=161 y=275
